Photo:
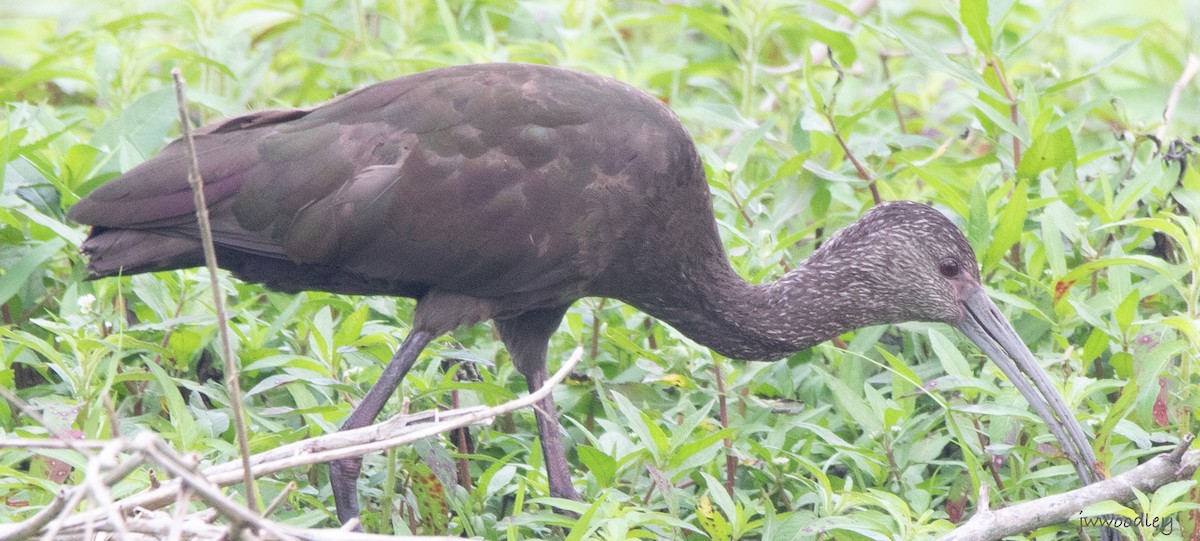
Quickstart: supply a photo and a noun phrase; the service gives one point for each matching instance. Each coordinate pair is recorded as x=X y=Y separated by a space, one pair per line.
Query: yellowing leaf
x=712 y=520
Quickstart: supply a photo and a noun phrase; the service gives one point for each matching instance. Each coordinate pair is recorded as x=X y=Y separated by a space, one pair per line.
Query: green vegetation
x=1031 y=123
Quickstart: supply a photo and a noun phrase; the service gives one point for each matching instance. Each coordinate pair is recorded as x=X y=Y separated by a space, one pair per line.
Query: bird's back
x=503 y=181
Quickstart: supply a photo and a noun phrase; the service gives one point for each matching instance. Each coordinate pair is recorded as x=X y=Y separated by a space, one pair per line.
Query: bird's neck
x=807 y=306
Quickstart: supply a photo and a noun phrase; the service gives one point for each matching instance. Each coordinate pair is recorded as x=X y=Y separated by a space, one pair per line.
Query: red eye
x=948 y=267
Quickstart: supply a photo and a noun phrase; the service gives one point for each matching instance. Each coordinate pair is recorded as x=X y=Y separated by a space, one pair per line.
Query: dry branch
x=127 y=517
x=986 y=525
x=232 y=375
x=1189 y=72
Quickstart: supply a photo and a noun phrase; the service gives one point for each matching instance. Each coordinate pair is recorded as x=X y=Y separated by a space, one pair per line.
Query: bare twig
x=96 y=485
x=1185 y=78
x=27 y=528
x=232 y=385
x=279 y=499
x=152 y=526
x=181 y=505
x=156 y=449
x=391 y=433
x=985 y=525
x=79 y=446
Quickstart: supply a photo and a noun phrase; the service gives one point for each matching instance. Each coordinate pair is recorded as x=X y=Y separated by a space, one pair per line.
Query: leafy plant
x=1030 y=124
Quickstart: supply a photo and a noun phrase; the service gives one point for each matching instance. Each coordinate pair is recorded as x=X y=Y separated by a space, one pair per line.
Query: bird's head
x=905 y=261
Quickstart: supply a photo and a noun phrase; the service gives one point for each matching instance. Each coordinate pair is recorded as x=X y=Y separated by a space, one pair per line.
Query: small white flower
x=85 y=303
x=1051 y=70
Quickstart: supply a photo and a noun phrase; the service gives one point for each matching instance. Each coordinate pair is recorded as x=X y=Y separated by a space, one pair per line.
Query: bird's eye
x=948 y=267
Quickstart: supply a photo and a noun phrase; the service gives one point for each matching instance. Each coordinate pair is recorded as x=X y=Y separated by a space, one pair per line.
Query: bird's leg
x=343 y=473
x=526 y=336
x=555 y=454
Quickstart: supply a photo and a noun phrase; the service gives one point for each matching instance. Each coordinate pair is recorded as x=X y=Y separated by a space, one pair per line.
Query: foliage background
x=886 y=435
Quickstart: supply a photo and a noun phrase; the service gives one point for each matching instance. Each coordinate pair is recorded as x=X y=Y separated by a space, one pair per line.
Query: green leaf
x=1126 y=311
x=996 y=410
x=1117 y=412
x=602 y=466
x=1096 y=343
x=979 y=222
x=1053 y=245
x=1097 y=67
x=741 y=150
x=933 y=58
x=1170 y=272
x=951 y=358
x=181 y=416
x=990 y=111
x=652 y=437
x=350 y=327
x=839 y=43
x=585 y=525
x=13 y=279
x=974 y=16
x=1133 y=433
x=1048 y=151
x=901 y=368
x=683 y=456
x=1009 y=227
x=855 y=406
x=140 y=129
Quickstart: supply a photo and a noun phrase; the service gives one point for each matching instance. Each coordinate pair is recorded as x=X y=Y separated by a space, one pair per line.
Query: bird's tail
x=130 y=251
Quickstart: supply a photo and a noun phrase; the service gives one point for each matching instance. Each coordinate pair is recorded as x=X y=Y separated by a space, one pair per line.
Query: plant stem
x=233 y=387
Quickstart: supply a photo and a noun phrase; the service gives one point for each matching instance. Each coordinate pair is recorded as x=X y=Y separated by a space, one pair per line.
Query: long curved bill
x=987 y=327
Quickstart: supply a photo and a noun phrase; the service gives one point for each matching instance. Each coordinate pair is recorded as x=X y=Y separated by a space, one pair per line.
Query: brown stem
x=863 y=173
x=651 y=343
x=460 y=439
x=861 y=169
x=170 y=330
x=1013 y=113
x=649 y=492
x=992 y=466
x=730 y=460
x=887 y=80
x=737 y=203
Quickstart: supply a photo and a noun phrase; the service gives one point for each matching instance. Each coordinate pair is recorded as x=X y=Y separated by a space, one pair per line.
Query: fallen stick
x=394 y=432
x=986 y=524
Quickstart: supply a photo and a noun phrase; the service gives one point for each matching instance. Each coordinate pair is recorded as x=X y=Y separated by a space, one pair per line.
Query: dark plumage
x=507 y=192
